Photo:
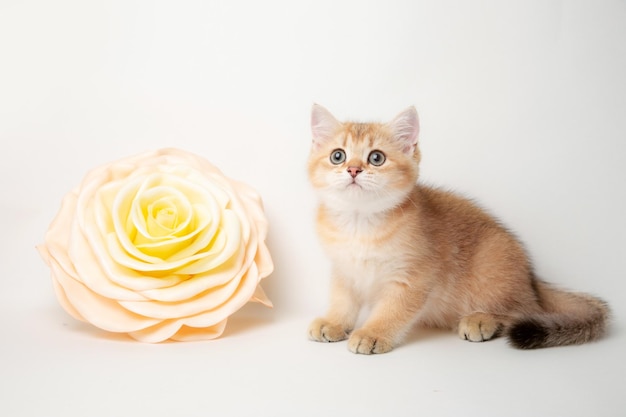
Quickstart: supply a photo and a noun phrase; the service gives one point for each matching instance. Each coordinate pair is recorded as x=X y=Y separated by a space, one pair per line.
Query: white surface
x=522 y=107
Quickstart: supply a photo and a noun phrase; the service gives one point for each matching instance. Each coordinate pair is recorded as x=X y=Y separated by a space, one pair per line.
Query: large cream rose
x=160 y=246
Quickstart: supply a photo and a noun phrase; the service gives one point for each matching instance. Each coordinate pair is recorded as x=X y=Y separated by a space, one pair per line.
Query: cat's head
x=368 y=167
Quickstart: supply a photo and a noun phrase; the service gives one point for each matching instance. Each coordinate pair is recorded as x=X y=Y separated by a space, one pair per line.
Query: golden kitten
x=416 y=254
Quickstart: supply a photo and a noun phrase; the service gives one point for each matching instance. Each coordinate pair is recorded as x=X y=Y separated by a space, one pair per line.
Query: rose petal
x=101 y=312
x=64 y=244
x=65 y=302
x=259 y=296
x=192 y=334
x=231 y=229
x=114 y=274
x=121 y=246
x=174 y=247
x=231 y=305
x=86 y=262
x=157 y=333
x=203 y=305
x=263 y=259
x=207 y=209
x=198 y=283
x=144 y=219
x=210 y=299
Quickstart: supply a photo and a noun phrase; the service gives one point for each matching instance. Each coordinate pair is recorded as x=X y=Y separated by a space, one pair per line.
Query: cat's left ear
x=405 y=128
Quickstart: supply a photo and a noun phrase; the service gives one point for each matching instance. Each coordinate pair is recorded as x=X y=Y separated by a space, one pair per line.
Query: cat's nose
x=354 y=171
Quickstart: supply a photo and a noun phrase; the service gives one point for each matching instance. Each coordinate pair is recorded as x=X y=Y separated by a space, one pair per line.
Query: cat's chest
x=362 y=247
x=364 y=260
x=365 y=266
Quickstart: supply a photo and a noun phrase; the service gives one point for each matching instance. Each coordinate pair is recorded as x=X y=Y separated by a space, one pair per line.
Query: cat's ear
x=405 y=128
x=323 y=124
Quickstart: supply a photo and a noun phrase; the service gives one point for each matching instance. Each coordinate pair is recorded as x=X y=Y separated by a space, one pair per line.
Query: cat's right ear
x=405 y=128
x=323 y=124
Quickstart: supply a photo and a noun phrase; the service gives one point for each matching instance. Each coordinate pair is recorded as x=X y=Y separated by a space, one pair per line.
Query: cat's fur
x=416 y=254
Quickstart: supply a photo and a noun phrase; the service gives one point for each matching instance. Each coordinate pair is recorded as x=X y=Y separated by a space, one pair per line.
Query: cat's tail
x=569 y=319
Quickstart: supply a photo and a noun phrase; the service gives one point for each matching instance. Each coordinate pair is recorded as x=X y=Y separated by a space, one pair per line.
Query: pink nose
x=354 y=171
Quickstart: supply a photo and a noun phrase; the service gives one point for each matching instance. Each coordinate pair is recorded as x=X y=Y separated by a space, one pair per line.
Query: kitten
x=416 y=254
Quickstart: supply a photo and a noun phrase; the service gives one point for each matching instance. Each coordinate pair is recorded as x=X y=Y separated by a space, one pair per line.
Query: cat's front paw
x=321 y=330
x=479 y=327
x=365 y=342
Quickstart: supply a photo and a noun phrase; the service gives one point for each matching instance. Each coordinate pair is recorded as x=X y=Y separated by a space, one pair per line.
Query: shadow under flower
x=249 y=318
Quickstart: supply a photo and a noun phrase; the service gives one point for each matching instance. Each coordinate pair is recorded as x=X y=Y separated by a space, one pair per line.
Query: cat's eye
x=376 y=158
x=337 y=156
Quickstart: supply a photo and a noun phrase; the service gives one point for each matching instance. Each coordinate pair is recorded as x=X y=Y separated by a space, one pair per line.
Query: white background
x=522 y=106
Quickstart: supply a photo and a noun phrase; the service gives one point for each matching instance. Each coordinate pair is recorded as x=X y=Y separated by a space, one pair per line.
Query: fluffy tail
x=569 y=319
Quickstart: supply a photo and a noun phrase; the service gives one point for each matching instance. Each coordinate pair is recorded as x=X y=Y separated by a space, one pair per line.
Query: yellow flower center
x=162 y=219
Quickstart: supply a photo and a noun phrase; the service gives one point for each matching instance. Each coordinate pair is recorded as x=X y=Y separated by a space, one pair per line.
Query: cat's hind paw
x=321 y=330
x=479 y=327
x=362 y=341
